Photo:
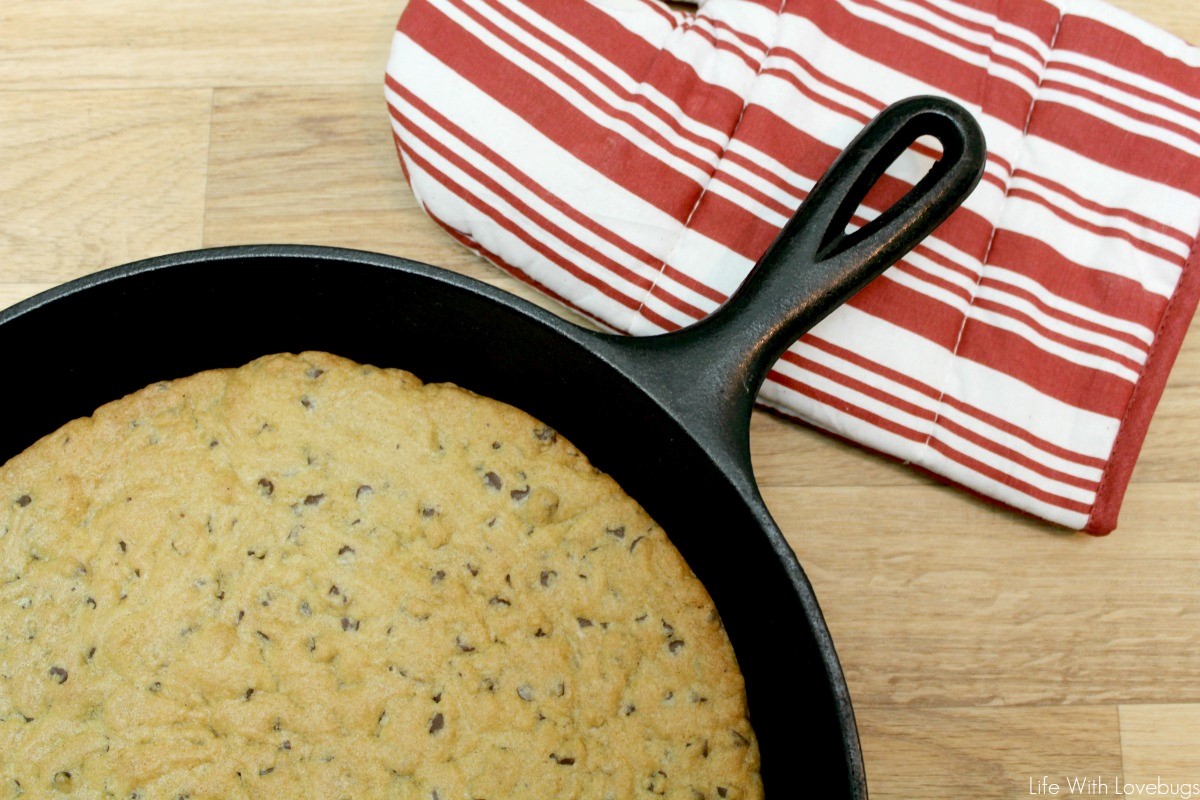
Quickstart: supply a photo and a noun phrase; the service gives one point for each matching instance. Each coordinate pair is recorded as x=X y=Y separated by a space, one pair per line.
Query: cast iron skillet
x=667 y=416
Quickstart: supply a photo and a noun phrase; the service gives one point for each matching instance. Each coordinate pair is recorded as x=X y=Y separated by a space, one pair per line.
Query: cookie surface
x=310 y=578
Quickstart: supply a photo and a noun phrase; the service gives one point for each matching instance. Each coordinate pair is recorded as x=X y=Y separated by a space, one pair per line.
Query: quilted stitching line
x=704 y=191
x=987 y=253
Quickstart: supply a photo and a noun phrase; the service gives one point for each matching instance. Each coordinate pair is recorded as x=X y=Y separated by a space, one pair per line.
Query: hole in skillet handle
x=708 y=374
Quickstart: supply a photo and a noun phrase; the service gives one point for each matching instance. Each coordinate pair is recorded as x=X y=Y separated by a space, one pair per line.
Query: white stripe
x=1062 y=351
x=574 y=98
x=922 y=400
x=1021 y=34
x=1174 y=208
x=1066 y=306
x=977 y=385
x=1062 y=327
x=1115 y=117
x=1093 y=250
x=581 y=53
x=1072 y=207
x=1118 y=95
x=1146 y=83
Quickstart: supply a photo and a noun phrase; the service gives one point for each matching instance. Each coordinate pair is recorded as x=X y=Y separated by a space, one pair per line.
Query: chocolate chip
x=265 y=771
x=493 y=480
x=519 y=494
x=156 y=687
x=304 y=401
x=584 y=623
x=704 y=749
x=474 y=570
x=91 y=653
x=525 y=692
x=249 y=693
x=675 y=645
x=314 y=499
x=495 y=445
x=264 y=636
x=349 y=624
x=345 y=549
x=618 y=531
x=545 y=434
x=213 y=444
x=24 y=500
x=124 y=548
x=547 y=576
x=333 y=590
x=539 y=633
x=634 y=544
x=305 y=608
x=462 y=645
x=438 y=576
x=629 y=709
x=266 y=487
x=59 y=673
x=565 y=761
x=428 y=511
x=740 y=740
x=722 y=791
x=91 y=602
x=499 y=601
x=314 y=372
x=286 y=745
x=437 y=723
x=364 y=489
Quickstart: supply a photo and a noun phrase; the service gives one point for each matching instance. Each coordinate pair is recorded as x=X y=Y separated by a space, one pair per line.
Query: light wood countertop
x=983 y=649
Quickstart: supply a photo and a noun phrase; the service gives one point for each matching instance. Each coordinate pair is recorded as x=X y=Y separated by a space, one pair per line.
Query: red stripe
x=930 y=416
x=640 y=99
x=644 y=62
x=1008 y=480
x=1084 y=387
x=609 y=110
x=1106 y=143
x=501 y=221
x=1114 y=295
x=1100 y=41
x=467 y=166
x=544 y=194
x=1108 y=102
x=1060 y=338
x=902 y=431
x=720 y=44
x=1100 y=230
x=663 y=12
x=557 y=119
x=745 y=38
x=948 y=399
x=1064 y=316
x=917 y=59
x=1129 y=88
x=1109 y=211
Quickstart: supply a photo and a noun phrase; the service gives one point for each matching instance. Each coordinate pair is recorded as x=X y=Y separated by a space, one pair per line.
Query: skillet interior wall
x=186 y=317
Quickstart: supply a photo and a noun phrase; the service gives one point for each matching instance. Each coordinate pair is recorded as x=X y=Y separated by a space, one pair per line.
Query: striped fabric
x=634 y=161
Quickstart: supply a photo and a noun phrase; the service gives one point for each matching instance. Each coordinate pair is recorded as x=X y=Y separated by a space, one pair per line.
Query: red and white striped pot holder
x=634 y=161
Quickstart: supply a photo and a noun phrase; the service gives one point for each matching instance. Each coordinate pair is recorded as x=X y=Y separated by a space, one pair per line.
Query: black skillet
x=667 y=416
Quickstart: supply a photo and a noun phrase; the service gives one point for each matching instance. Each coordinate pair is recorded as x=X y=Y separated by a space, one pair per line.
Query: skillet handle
x=812 y=267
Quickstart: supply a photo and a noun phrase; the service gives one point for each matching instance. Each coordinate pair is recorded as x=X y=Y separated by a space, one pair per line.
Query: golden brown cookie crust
x=312 y=578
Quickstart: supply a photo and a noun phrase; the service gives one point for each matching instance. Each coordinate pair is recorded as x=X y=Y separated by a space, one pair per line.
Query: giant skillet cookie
x=311 y=578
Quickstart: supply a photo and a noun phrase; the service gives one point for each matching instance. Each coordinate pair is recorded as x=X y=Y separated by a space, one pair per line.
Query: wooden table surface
x=983 y=649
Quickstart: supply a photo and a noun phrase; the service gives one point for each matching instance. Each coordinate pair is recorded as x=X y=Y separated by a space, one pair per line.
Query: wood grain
x=985 y=753
x=95 y=179
x=983 y=648
x=1162 y=743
